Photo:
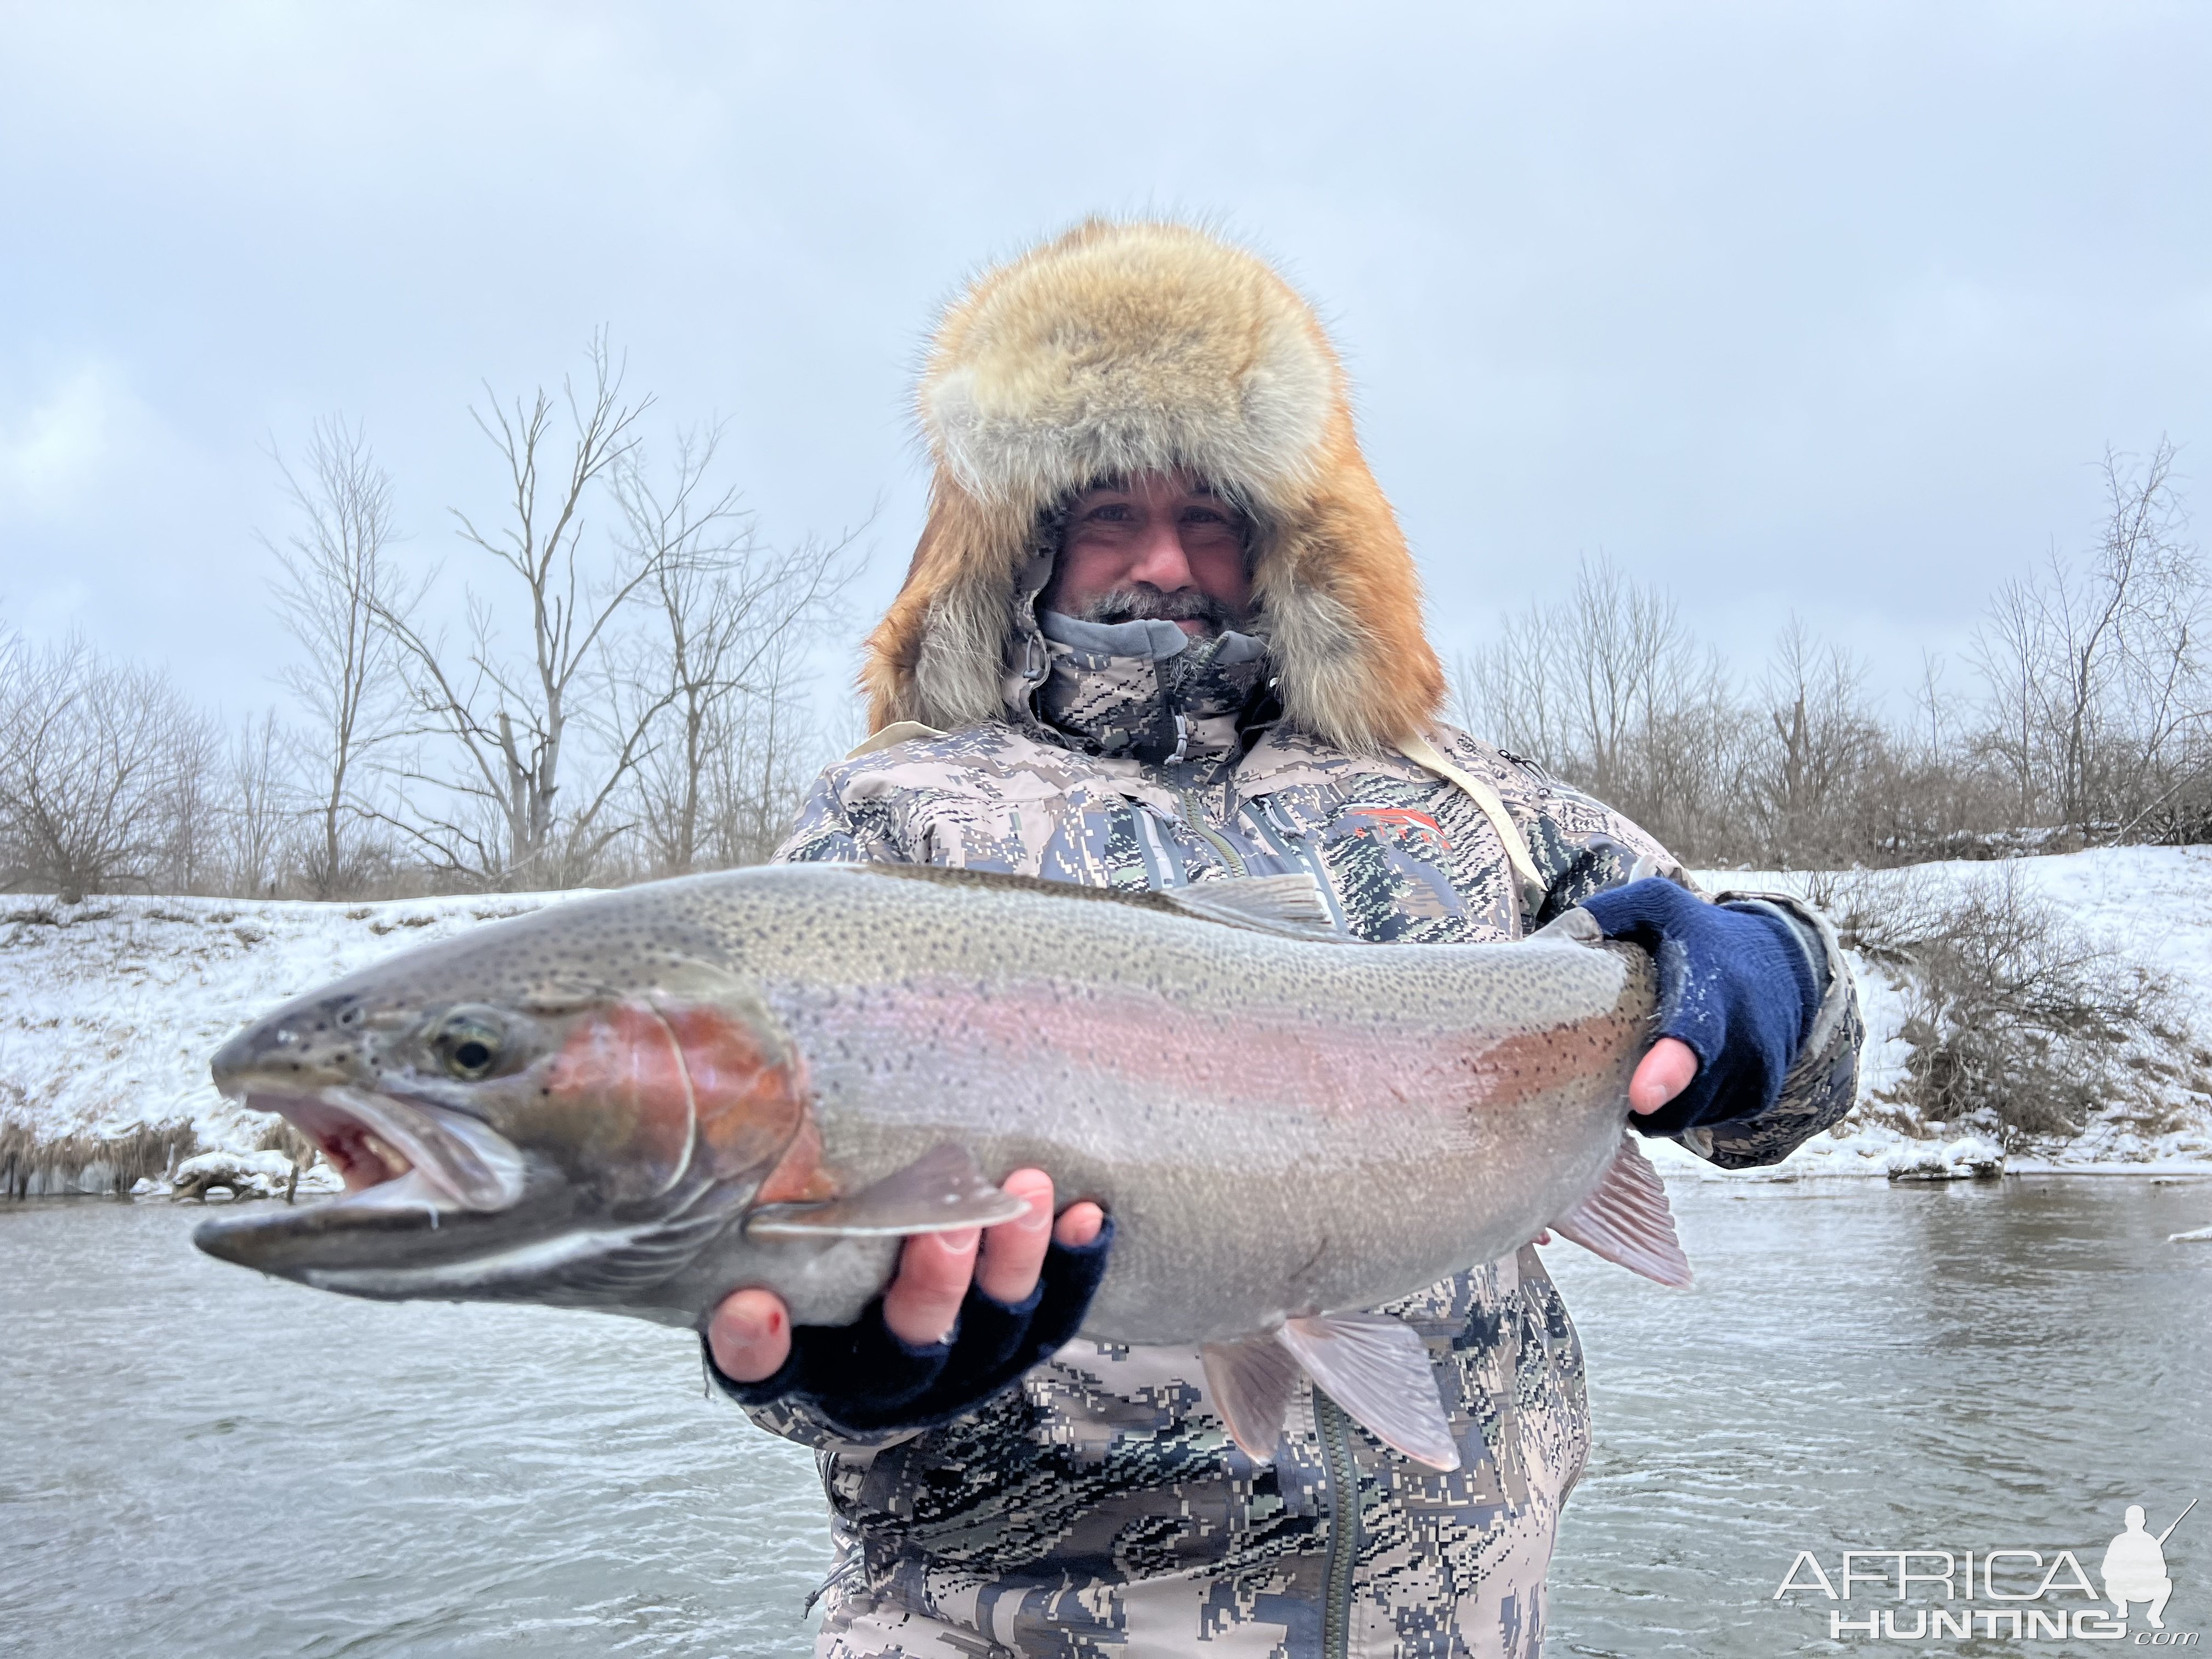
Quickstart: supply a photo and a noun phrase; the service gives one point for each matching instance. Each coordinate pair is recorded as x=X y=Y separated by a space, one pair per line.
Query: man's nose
x=1160 y=561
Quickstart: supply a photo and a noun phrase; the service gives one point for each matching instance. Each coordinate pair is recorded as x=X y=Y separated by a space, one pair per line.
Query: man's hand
x=751 y=1332
x=1741 y=988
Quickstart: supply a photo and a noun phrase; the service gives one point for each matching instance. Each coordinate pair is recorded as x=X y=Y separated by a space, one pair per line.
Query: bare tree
x=337 y=584
x=721 y=670
x=2095 y=672
x=89 y=765
x=1508 y=688
x=1819 y=739
x=497 y=806
x=763 y=750
x=1608 y=690
x=2008 y=651
x=1616 y=643
x=257 y=813
x=191 y=817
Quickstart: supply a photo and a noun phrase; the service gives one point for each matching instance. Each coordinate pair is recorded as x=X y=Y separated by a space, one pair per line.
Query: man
x=1162 y=628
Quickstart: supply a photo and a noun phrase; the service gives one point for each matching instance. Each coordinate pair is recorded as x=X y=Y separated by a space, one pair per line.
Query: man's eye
x=1110 y=512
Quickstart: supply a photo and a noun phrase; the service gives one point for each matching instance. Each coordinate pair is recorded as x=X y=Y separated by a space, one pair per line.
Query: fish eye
x=469 y=1045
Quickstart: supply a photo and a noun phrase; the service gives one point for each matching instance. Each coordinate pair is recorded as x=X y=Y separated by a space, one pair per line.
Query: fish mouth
x=392 y=1150
x=429 y=1188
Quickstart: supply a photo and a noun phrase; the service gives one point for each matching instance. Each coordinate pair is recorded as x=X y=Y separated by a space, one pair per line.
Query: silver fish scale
x=1364 y=1159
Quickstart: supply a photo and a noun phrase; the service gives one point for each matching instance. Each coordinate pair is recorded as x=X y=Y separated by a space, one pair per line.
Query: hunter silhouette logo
x=2135 y=1566
x=2020 y=1594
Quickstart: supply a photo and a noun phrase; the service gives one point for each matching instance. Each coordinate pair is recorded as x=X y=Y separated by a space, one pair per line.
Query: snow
x=243 y=1174
x=2153 y=904
x=1968 y=1157
x=110 y=1009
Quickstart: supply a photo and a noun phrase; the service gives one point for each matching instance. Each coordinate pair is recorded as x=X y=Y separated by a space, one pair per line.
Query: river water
x=205 y=1463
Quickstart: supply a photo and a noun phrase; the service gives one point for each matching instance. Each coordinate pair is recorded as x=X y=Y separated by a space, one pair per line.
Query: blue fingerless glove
x=1736 y=983
x=862 y=1379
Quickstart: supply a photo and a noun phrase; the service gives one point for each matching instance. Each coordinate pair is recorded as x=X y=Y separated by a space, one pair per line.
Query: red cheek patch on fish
x=655 y=1086
x=750 y=1106
x=622 y=1071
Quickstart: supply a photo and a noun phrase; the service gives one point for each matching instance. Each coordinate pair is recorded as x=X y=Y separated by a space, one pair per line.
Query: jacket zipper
x=1343 y=1526
x=1195 y=815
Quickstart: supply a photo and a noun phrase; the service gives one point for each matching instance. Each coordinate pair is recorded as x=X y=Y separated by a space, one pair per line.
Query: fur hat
x=1145 y=346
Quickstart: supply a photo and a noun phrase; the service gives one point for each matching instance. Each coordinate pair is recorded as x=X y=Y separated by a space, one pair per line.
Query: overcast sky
x=1823 y=307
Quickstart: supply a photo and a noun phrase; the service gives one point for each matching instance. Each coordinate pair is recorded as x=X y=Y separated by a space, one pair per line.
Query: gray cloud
x=1822 y=308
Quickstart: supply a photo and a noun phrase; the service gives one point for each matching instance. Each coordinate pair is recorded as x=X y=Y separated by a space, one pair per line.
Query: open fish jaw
x=391 y=1150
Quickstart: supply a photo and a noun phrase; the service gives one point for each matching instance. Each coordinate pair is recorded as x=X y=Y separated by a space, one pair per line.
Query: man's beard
x=1145 y=602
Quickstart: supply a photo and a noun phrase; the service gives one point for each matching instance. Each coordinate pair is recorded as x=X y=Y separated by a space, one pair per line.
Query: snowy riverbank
x=2153 y=904
x=109 y=1010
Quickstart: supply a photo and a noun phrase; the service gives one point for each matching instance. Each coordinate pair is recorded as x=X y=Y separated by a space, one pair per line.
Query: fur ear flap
x=1123 y=347
x=938 y=655
x=1342 y=605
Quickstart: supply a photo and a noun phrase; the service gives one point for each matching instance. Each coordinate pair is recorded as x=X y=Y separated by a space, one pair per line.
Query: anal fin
x=939 y=1192
x=1377 y=1368
x=1627 y=1219
x=1252 y=1381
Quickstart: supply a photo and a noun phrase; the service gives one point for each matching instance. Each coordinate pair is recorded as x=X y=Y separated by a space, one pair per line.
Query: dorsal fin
x=1290 y=905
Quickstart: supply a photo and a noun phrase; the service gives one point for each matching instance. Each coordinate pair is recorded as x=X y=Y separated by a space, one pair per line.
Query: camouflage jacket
x=1100 y=1509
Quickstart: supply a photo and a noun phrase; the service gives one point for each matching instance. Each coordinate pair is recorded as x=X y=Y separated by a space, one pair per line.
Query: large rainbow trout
x=642 y=1102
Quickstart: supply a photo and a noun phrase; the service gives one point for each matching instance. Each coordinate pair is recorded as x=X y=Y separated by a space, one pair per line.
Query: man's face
x=1157 y=544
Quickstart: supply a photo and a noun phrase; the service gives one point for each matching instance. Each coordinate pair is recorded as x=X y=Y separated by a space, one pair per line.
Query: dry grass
x=30 y=1164
x=2016 y=1012
x=281 y=1137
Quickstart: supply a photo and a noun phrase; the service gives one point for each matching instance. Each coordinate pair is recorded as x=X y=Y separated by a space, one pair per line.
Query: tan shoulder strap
x=896 y=732
x=1425 y=754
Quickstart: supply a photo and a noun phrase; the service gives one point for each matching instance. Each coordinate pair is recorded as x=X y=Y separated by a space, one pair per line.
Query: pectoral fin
x=939 y=1192
x=1377 y=1368
x=1627 y=1219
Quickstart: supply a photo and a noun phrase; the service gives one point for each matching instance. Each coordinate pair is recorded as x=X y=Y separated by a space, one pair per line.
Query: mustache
x=1144 y=602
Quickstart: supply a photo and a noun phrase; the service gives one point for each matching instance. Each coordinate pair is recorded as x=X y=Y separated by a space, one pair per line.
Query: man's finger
x=924 y=1299
x=1661 y=1074
x=750 y=1336
x=1013 y=1251
x=1080 y=1225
